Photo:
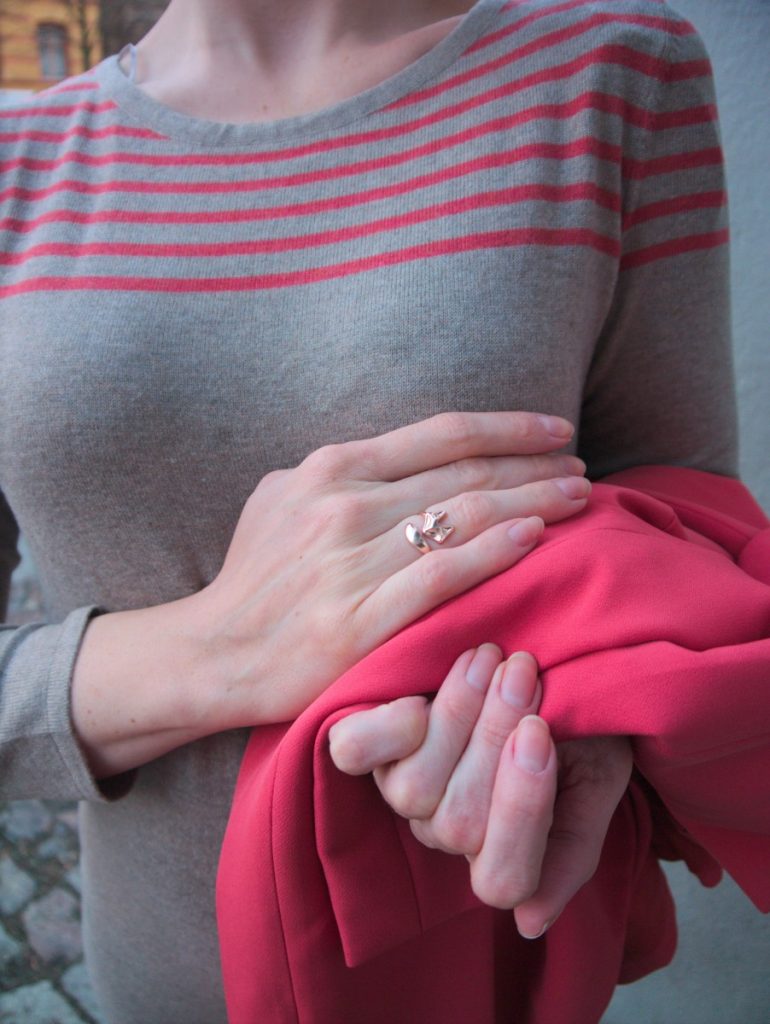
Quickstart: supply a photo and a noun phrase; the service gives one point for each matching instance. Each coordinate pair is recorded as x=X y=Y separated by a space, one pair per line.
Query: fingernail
x=574 y=487
x=517 y=687
x=542 y=931
x=526 y=532
x=532 y=745
x=481 y=669
x=558 y=427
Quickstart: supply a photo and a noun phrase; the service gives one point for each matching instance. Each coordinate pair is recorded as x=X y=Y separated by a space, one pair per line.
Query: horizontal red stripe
x=665 y=25
x=579 y=147
x=57 y=138
x=674 y=247
x=584 y=190
x=601 y=55
x=553 y=112
x=671 y=207
x=60 y=111
x=517 y=26
x=646 y=64
x=259 y=282
x=71 y=87
x=252 y=247
x=672 y=163
x=587 y=146
x=665 y=119
x=605 y=103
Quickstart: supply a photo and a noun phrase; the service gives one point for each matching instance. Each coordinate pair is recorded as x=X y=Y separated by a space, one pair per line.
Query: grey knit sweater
x=530 y=216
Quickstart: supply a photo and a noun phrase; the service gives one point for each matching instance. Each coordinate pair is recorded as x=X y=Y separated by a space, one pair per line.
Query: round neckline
x=141 y=107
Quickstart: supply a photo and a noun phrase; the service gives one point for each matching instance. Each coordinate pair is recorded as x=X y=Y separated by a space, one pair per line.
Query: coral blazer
x=650 y=617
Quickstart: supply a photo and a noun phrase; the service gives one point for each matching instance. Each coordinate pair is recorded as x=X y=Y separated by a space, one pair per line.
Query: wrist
x=139 y=686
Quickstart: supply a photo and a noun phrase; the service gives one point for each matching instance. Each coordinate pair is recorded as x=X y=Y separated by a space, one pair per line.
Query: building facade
x=44 y=41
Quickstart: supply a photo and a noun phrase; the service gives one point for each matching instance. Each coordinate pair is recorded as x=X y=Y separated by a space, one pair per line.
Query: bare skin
x=476 y=773
x=276 y=626
x=246 y=60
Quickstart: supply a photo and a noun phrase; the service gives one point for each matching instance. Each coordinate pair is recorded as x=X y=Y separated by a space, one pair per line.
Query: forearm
x=142 y=684
x=274 y=629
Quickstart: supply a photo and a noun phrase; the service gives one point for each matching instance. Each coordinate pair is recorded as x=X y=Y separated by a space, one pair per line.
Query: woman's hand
x=319 y=571
x=476 y=773
x=318 y=574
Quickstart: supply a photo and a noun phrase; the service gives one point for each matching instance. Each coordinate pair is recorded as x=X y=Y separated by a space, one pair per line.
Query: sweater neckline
x=137 y=105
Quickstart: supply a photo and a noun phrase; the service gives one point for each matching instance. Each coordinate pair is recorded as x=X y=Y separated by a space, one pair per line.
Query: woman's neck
x=263 y=60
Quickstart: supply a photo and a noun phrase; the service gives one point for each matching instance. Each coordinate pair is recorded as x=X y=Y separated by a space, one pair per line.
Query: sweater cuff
x=60 y=715
x=40 y=756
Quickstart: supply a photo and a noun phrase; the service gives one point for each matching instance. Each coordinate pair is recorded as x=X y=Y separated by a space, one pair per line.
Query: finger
x=459 y=823
x=507 y=869
x=442 y=574
x=582 y=817
x=463 y=516
x=414 y=786
x=451 y=436
x=367 y=739
x=389 y=505
x=496 y=474
x=470 y=514
x=475 y=511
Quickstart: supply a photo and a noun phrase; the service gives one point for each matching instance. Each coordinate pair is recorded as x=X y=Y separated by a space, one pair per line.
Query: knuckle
x=464 y=475
x=591 y=867
x=347 y=752
x=583 y=850
x=493 y=733
x=502 y=890
x=316 y=525
x=571 y=465
x=545 y=467
x=366 y=459
x=423 y=833
x=474 y=510
x=272 y=478
x=457 y=832
x=533 y=813
x=526 y=425
x=435 y=575
x=457 y=715
x=545 y=494
x=457 y=428
x=408 y=797
x=326 y=465
x=351 y=511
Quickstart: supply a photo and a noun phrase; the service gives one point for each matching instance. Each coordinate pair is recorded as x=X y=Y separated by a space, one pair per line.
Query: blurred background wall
x=737 y=35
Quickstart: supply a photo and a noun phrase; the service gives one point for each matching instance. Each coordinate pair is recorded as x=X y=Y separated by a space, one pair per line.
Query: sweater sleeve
x=39 y=753
x=660 y=388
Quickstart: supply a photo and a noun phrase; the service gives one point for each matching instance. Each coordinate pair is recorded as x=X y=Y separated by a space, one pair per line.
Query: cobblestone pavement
x=42 y=976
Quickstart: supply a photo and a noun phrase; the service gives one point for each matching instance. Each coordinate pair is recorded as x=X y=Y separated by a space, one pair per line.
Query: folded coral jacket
x=650 y=617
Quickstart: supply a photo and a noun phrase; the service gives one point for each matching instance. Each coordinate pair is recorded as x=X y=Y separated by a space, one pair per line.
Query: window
x=52 y=47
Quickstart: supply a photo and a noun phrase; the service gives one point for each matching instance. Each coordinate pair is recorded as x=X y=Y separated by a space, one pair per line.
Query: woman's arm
x=660 y=387
x=318 y=573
